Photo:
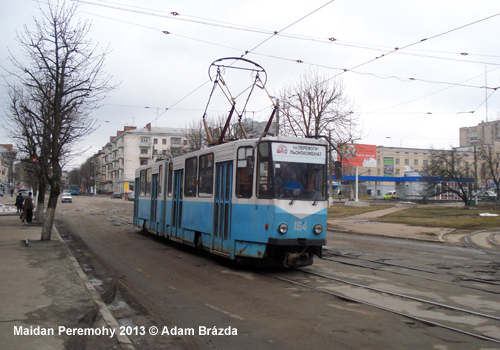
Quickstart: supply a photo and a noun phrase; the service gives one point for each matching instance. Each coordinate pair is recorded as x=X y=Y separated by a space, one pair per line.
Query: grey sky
x=418 y=96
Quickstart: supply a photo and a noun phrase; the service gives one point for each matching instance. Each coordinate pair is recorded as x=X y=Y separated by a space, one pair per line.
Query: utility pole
x=330 y=173
x=277 y=117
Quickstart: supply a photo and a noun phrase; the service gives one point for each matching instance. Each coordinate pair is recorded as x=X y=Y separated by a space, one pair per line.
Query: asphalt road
x=152 y=283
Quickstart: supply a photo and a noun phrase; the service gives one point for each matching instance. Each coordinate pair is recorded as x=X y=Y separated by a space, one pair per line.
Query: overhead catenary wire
x=405 y=79
x=396 y=50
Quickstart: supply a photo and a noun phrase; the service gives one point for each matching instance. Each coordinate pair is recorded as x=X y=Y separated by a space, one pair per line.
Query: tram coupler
x=296 y=259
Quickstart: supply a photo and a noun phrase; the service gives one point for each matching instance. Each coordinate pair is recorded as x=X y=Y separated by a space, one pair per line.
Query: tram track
x=457 y=313
x=485 y=249
x=463 y=278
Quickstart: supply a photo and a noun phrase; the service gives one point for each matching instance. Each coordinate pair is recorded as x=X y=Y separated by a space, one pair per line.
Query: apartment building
x=7 y=156
x=134 y=147
x=485 y=133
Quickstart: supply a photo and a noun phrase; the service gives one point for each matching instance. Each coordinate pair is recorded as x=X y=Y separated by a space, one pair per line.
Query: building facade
x=7 y=156
x=485 y=133
x=134 y=147
x=396 y=167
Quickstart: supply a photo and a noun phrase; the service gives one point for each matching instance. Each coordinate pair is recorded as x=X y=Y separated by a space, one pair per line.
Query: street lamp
x=95 y=189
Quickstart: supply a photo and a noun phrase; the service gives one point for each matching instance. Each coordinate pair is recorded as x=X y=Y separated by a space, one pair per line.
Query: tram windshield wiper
x=317 y=198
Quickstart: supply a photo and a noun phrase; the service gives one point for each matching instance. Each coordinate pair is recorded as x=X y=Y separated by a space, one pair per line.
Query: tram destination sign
x=298 y=153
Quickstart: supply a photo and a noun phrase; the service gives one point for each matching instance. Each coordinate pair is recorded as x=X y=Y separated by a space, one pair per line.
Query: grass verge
x=457 y=218
x=340 y=210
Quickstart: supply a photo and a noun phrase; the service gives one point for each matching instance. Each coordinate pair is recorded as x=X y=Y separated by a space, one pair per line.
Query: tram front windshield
x=299 y=180
x=291 y=171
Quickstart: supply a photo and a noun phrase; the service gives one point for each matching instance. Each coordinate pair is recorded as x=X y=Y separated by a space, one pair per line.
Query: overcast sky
x=416 y=97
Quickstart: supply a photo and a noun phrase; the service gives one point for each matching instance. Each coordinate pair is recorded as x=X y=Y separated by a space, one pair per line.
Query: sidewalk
x=46 y=299
x=363 y=224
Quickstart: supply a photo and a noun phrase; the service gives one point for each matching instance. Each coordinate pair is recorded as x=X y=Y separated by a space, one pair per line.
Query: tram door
x=177 y=205
x=154 y=201
x=222 y=207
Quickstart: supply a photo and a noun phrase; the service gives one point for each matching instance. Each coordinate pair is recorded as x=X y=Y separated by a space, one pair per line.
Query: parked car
x=66 y=197
x=390 y=195
x=23 y=192
x=116 y=195
x=127 y=195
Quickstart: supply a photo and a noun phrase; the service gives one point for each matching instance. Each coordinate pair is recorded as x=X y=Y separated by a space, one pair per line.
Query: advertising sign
x=359 y=155
x=389 y=166
x=294 y=152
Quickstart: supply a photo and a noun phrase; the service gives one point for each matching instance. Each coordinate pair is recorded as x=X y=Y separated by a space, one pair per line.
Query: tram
x=253 y=200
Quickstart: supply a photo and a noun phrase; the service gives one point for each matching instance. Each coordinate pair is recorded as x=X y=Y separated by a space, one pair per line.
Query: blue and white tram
x=248 y=200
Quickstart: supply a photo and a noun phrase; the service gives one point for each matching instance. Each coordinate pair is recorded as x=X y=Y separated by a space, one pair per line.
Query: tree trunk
x=40 y=206
x=49 y=216
x=55 y=190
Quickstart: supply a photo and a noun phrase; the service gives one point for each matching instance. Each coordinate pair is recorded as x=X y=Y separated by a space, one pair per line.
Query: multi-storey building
x=133 y=147
x=485 y=133
x=7 y=155
x=394 y=164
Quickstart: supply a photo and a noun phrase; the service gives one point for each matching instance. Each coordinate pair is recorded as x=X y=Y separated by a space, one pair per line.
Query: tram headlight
x=283 y=228
x=317 y=229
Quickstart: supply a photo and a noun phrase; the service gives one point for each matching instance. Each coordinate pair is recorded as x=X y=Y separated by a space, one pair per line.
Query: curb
x=439 y=238
x=124 y=341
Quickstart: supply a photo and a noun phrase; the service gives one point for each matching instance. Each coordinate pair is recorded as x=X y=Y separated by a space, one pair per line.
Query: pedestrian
x=28 y=209
x=19 y=203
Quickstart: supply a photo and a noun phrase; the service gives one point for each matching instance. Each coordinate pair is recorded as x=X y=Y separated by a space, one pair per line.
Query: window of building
x=144 y=139
x=397 y=172
x=155 y=141
x=206 y=171
x=175 y=141
x=185 y=142
x=244 y=181
x=397 y=161
x=144 y=162
x=415 y=162
x=426 y=162
x=164 y=141
x=407 y=162
x=144 y=151
x=155 y=152
x=190 y=177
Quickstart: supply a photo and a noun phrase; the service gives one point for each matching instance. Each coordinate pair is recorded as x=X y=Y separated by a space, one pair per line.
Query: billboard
x=389 y=166
x=358 y=155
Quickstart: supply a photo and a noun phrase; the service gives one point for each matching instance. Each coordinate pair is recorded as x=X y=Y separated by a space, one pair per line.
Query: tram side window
x=148 y=182
x=244 y=181
x=264 y=178
x=206 y=183
x=170 y=178
x=142 y=181
x=158 y=185
x=190 y=177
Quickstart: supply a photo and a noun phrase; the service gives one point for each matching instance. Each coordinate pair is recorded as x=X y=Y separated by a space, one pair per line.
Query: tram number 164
x=300 y=226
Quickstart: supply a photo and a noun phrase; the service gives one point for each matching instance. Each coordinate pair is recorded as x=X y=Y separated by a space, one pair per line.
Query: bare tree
x=57 y=87
x=491 y=161
x=197 y=137
x=316 y=105
x=449 y=171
